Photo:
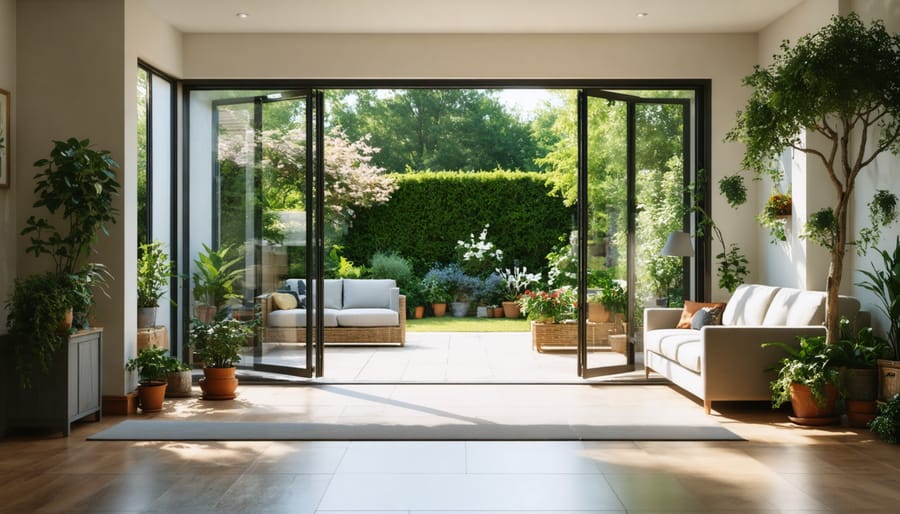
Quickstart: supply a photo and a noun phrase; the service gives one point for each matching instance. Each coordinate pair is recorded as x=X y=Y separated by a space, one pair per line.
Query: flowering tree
x=842 y=84
x=351 y=180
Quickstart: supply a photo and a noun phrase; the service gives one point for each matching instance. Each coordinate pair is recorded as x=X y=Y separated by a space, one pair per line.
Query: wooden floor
x=779 y=468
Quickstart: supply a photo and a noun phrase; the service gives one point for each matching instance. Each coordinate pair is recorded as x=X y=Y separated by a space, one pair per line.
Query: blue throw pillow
x=701 y=319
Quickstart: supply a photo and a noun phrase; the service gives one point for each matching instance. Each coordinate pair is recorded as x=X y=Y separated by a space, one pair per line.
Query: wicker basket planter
x=564 y=336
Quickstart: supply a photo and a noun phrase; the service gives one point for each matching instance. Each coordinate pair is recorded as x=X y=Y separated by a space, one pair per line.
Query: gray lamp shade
x=678 y=244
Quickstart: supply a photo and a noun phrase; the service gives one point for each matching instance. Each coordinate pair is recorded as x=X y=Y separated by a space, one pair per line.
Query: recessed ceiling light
x=642 y=14
x=242 y=15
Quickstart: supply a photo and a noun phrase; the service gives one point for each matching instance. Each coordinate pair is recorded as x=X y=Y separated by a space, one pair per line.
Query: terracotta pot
x=65 y=324
x=180 y=383
x=807 y=411
x=219 y=383
x=151 y=395
x=439 y=309
x=861 y=412
x=598 y=313
x=511 y=310
x=419 y=312
x=860 y=383
x=206 y=313
x=498 y=312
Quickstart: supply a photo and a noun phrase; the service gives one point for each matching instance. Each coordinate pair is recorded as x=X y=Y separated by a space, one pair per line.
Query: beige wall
x=8 y=225
x=724 y=59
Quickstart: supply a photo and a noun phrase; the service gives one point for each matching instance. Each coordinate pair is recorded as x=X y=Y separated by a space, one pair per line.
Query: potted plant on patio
x=153 y=365
x=218 y=344
x=437 y=289
x=214 y=280
x=154 y=272
x=808 y=377
x=516 y=281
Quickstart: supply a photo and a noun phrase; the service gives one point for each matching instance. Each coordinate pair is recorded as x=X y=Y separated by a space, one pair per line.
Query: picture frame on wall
x=5 y=168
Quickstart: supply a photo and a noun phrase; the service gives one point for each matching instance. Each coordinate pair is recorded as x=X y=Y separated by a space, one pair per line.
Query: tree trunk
x=832 y=315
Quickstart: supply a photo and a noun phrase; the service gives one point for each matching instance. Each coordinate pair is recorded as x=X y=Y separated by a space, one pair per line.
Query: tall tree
x=843 y=84
x=435 y=129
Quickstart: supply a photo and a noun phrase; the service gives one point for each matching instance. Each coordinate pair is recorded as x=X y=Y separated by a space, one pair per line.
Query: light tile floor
x=778 y=468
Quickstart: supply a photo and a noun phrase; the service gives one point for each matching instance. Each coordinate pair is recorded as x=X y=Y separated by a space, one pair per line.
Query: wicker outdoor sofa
x=356 y=312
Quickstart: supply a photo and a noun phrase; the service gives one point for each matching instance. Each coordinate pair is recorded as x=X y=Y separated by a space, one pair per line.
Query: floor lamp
x=678 y=244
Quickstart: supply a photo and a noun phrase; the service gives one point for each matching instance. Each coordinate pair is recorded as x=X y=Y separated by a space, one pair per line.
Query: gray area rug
x=152 y=430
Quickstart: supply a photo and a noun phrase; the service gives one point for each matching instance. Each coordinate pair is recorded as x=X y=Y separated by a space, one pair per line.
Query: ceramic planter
x=146 y=317
x=460 y=309
x=151 y=396
x=807 y=411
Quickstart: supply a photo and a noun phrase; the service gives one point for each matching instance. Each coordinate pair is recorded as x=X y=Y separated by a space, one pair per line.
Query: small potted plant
x=218 y=344
x=774 y=215
x=858 y=356
x=436 y=289
x=214 y=280
x=515 y=281
x=809 y=378
x=888 y=419
x=155 y=269
x=884 y=283
x=153 y=365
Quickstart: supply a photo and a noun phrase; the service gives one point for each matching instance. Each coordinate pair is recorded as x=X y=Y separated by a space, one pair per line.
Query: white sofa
x=356 y=311
x=726 y=362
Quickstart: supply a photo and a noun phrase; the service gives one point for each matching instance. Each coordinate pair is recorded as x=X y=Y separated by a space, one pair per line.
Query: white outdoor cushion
x=298 y=285
x=363 y=293
x=794 y=307
x=368 y=318
x=297 y=318
x=333 y=290
x=748 y=304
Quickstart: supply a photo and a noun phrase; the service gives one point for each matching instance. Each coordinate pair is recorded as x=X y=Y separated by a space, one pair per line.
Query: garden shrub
x=430 y=212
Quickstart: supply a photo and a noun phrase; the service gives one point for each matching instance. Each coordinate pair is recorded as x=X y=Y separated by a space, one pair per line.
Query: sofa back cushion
x=748 y=304
x=332 y=290
x=367 y=293
x=794 y=307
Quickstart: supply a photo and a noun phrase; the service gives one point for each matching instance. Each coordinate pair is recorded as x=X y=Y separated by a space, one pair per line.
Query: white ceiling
x=471 y=16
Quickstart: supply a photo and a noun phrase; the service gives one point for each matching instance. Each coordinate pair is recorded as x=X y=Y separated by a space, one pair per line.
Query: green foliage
x=78 y=184
x=217 y=272
x=153 y=364
x=733 y=189
x=37 y=305
x=884 y=283
x=861 y=350
x=812 y=364
x=153 y=274
x=732 y=268
x=885 y=424
x=778 y=206
x=611 y=294
x=822 y=228
x=434 y=129
x=553 y=306
x=882 y=212
x=218 y=344
x=449 y=206
x=339 y=266
x=391 y=265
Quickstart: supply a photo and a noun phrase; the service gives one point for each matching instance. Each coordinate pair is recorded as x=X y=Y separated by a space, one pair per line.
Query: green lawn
x=468 y=324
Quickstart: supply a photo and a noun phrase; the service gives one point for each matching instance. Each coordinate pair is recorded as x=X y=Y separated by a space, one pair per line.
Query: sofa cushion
x=794 y=307
x=677 y=344
x=706 y=316
x=368 y=318
x=333 y=290
x=368 y=293
x=691 y=308
x=297 y=318
x=748 y=304
x=284 y=301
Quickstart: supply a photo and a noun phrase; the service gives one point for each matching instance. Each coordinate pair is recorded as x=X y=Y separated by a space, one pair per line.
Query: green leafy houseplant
x=217 y=272
x=826 y=85
x=34 y=311
x=885 y=284
x=154 y=272
x=218 y=343
x=812 y=365
x=153 y=364
x=774 y=215
x=885 y=423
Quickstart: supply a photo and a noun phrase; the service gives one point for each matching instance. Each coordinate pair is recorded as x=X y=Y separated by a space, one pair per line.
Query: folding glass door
x=255 y=166
x=633 y=168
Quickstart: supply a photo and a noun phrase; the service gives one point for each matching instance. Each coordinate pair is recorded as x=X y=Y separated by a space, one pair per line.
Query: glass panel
x=160 y=177
x=250 y=201
x=607 y=232
x=143 y=107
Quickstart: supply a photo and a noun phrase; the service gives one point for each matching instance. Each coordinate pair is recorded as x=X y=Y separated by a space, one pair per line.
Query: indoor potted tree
x=825 y=86
x=76 y=185
x=218 y=345
x=214 y=280
x=153 y=365
x=808 y=377
x=153 y=275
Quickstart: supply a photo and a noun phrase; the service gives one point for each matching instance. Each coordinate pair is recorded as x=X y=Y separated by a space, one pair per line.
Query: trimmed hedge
x=430 y=211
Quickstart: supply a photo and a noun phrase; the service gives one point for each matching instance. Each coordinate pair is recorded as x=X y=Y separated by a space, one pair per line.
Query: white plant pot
x=460 y=309
x=146 y=317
